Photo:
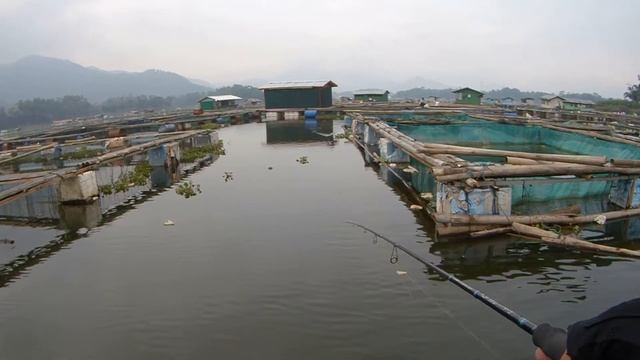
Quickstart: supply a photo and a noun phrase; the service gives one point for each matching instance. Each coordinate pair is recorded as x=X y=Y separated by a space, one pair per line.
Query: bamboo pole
x=512 y=160
x=570 y=241
x=432 y=148
x=593 y=134
x=406 y=143
x=30 y=186
x=460 y=229
x=458 y=219
x=623 y=162
x=491 y=232
x=14 y=158
x=531 y=170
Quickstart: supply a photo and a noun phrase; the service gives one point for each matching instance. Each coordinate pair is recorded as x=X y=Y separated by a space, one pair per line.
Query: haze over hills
x=44 y=77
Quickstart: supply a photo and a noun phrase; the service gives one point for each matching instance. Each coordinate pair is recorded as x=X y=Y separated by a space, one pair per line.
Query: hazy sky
x=549 y=45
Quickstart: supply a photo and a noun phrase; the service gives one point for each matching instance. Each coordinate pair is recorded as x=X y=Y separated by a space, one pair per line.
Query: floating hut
x=576 y=104
x=371 y=95
x=211 y=103
x=528 y=101
x=298 y=94
x=552 y=101
x=468 y=96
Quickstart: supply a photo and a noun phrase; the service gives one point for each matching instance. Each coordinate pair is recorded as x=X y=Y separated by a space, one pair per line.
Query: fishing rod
x=514 y=317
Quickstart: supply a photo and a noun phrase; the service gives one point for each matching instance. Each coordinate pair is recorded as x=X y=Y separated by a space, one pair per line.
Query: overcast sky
x=548 y=45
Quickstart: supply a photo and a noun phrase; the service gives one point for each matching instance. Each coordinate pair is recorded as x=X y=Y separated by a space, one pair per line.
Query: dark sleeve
x=614 y=334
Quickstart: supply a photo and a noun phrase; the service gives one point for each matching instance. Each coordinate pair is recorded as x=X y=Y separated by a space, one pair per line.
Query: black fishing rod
x=514 y=317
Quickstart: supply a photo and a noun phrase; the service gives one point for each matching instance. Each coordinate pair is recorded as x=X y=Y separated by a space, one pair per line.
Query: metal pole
x=514 y=317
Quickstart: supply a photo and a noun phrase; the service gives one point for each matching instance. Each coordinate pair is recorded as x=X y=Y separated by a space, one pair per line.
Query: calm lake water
x=261 y=265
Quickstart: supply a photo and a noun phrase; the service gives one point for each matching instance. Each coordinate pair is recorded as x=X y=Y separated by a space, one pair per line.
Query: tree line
x=42 y=111
x=497 y=94
x=629 y=105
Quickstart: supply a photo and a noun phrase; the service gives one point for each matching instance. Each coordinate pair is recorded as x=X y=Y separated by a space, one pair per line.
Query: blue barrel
x=310 y=123
x=310 y=114
x=223 y=120
x=166 y=128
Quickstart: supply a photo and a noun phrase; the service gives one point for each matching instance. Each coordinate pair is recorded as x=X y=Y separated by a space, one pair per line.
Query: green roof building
x=298 y=94
x=468 y=96
x=371 y=95
x=211 y=103
x=576 y=104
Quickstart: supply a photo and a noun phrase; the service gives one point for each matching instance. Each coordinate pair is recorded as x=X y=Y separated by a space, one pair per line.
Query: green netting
x=526 y=190
x=493 y=135
x=479 y=133
x=422 y=180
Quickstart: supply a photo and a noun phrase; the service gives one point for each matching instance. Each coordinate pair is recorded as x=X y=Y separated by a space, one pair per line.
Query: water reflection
x=299 y=131
x=76 y=221
x=35 y=218
x=506 y=258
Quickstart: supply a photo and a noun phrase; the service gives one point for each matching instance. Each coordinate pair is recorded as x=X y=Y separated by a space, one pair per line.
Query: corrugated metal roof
x=549 y=97
x=468 y=88
x=371 y=92
x=298 y=84
x=221 y=98
x=579 y=101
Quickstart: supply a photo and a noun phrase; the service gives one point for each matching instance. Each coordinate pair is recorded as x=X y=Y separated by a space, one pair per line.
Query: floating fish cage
x=479 y=173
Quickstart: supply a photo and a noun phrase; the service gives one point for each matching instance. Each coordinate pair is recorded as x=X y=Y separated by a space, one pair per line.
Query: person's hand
x=551 y=342
x=540 y=355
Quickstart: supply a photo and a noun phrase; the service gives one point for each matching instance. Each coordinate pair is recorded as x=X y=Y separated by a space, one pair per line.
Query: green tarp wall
x=465 y=130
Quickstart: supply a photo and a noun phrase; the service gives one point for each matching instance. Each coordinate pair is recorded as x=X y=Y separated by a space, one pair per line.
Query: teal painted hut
x=211 y=103
x=468 y=96
x=576 y=104
x=371 y=95
x=298 y=94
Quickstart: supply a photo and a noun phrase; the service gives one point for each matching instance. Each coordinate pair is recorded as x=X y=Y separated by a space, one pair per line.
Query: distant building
x=489 y=101
x=253 y=101
x=298 y=94
x=506 y=100
x=552 y=101
x=211 y=103
x=431 y=100
x=528 y=101
x=371 y=95
x=468 y=96
x=576 y=104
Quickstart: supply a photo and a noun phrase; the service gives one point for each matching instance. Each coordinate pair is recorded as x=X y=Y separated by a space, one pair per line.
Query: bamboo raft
x=32 y=184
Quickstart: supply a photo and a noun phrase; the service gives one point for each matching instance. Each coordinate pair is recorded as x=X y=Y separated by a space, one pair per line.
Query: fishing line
x=511 y=315
x=450 y=315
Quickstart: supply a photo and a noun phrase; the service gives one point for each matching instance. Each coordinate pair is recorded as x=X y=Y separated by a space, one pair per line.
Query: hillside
x=43 y=77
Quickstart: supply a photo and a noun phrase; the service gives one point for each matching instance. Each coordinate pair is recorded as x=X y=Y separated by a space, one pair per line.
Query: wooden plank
x=503 y=171
x=433 y=148
x=456 y=219
x=30 y=186
x=570 y=241
x=14 y=158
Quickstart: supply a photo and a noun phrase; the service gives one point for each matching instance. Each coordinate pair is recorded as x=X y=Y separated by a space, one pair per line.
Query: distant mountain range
x=44 y=77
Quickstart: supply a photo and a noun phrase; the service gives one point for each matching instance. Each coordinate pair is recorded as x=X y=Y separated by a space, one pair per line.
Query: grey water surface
x=262 y=266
